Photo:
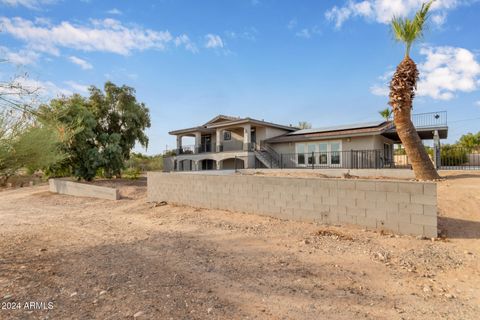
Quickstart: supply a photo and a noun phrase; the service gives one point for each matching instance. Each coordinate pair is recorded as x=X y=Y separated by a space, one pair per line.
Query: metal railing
x=457 y=158
x=430 y=119
x=352 y=159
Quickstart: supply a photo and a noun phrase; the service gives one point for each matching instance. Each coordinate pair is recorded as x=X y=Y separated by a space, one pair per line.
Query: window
x=323 y=156
x=335 y=149
x=227 y=135
x=300 y=150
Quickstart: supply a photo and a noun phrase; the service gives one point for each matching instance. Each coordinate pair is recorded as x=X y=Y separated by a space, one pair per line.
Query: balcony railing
x=212 y=147
x=430 y=119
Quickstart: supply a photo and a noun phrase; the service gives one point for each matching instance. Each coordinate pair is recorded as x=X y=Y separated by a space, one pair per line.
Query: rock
x=102 y=292
x=138 y=314
x=7 y=296
x=73 y=294
x=449 y=296
x=426 y=289
x=307 y=241
x=209 y=310
x=43 y=249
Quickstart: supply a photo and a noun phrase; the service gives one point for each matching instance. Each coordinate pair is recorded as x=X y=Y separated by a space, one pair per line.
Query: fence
x=352 y=159
x=455 y=158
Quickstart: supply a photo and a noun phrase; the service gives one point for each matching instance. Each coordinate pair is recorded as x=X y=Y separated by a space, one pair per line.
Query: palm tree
x=402 y=92
x=386 y=114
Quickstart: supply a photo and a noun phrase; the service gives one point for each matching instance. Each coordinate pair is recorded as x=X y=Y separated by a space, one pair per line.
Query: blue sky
x=325 y=62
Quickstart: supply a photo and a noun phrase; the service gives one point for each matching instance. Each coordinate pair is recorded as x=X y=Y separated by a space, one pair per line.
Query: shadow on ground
x=458 y=228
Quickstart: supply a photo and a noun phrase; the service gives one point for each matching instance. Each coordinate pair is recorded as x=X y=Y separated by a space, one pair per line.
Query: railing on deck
x=352 y=159
x=430 y=119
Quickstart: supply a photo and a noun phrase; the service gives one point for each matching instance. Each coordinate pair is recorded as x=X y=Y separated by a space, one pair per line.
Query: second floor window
x=227 y=135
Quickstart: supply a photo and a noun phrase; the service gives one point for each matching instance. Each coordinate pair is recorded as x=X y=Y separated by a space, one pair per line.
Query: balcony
x=430 y=119
x=212 y=147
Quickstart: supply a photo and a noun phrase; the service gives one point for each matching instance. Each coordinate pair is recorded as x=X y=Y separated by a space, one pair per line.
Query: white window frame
x=317 y=153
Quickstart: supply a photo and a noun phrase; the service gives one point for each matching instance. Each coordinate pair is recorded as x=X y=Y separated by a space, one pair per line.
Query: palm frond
x=410 y=30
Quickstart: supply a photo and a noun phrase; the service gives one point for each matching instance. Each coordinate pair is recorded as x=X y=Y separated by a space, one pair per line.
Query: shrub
x=453 y=156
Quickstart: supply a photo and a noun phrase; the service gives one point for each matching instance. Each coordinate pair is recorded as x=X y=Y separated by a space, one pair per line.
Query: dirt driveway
x=85 y=258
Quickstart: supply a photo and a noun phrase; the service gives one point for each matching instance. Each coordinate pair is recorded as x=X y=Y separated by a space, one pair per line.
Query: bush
x=131 y=173
x=453 y=156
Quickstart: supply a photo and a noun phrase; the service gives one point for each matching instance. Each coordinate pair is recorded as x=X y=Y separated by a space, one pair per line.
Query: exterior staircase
x=268 y=157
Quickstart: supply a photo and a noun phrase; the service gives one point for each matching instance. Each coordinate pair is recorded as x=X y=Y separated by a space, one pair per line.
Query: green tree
x=402 y=93
x=106 y=125
x=386 y=114
x=304 y=125
x=470 y=141
x=26 y=143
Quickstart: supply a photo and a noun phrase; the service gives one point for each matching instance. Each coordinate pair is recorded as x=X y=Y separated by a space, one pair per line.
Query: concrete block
x=430 y=232
x=376 y=195
x=365 y=204
x=331 y=201
x=410 y=208
x=367 y=222
x=409 y=228
x=424 y=220
x=377 y=213
x=410 y=187
x=386 y=186
x=430 y=210
x=388 y=225
x=83 y=189
x=405 y=218
x=356 y=212
x=398 y=197
x=430 y=189
x=424 y=199
x=366 y=185
x=348 y=202
x=346 y=184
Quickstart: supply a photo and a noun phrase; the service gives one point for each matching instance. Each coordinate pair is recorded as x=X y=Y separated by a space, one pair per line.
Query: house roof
x=350 y=130
x=221 y=121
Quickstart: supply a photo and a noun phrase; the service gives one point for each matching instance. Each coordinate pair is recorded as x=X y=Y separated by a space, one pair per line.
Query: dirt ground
x=97 y=259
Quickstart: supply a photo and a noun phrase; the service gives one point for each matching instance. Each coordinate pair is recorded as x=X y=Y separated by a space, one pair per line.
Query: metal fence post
x=313 y=160
x=281 y=160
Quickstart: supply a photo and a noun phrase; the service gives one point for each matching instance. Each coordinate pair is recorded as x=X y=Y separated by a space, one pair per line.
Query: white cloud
x=22 y=57
x=379 y=90
x=444 y=72
x=213 y=41
x=307 y=33
x=383 y=11
x=106 y=35
x=31 y=4
x=292 y=23
x=115 y=11
x=184 y=40
x=85 y=65
x=77 y=87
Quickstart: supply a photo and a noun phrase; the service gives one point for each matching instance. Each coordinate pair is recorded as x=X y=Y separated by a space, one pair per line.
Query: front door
x=206 y=144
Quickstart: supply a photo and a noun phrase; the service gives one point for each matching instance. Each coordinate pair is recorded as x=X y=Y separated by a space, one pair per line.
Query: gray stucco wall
x=400 y=206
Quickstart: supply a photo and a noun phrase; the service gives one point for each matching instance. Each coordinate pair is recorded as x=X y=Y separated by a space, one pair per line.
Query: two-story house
x=227 y=142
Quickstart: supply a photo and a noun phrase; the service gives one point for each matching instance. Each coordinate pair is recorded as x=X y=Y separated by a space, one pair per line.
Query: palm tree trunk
x=417 y=155
x=402 y=92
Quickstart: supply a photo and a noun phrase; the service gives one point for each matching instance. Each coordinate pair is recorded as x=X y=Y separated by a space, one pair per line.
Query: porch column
x=219 y=139
x=247 y=137
x=198 y=142
x=218 y=165
x=436 y=150
x=179 y=144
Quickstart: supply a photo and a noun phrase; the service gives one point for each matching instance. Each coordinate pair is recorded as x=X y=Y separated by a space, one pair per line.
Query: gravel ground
x=82 y=258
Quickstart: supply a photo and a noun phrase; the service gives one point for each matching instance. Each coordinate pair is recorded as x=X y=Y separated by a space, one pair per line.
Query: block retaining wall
x=404 y=207
x=83 y=190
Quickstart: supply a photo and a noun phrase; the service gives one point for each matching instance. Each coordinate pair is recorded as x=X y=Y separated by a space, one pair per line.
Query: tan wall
x=400 y=206
x=236 y=143
x=82 y=189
